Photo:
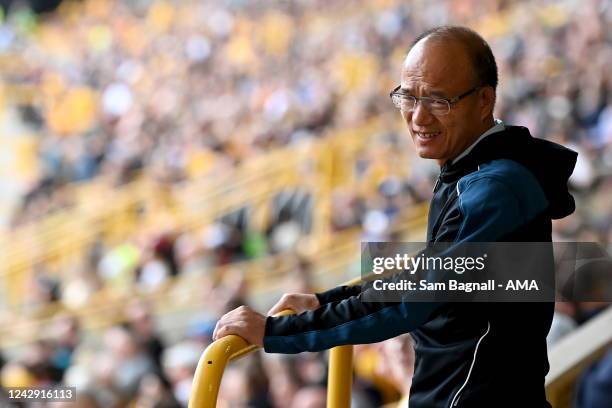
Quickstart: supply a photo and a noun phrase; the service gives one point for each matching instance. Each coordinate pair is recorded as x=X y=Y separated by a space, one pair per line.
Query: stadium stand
x=164 y=161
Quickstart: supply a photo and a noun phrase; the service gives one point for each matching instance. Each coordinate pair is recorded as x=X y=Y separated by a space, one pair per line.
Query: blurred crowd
x=135 y=363
x=132 y=365
x=189 y=89
x=184 y=90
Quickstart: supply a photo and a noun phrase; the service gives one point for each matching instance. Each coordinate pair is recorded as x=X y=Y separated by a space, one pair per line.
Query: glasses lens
x=404 y=103
x=436 y=106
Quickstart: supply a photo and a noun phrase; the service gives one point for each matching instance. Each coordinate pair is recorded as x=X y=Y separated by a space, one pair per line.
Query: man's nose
x=420 y=115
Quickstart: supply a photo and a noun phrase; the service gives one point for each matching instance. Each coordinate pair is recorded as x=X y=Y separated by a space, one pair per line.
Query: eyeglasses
x=436 y=106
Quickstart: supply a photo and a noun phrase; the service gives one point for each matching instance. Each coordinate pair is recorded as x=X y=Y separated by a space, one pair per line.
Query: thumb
x=280 y=306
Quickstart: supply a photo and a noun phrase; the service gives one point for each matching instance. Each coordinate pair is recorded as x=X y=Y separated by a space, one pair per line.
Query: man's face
x=437 y=69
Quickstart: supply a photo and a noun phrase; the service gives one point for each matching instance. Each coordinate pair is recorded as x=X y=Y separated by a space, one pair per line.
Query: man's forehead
x=437 y=66
x=433 y=83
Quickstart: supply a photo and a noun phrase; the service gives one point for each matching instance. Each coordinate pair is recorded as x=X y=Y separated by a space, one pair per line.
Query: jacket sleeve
x=489 y=210
x=349 y=321
x=338 y=293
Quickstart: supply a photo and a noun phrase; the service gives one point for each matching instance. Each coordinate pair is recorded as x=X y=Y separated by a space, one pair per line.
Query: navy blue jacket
x=507 y=188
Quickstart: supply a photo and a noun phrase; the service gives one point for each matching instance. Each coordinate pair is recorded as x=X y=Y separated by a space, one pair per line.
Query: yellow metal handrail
x=208 y=374
x=207 y=378
x=218 y=354
x=340 y=378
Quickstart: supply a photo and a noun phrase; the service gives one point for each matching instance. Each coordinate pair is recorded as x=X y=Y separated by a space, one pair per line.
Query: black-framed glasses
x=436 y=106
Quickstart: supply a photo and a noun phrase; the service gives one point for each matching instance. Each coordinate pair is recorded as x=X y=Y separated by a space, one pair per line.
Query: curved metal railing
x=218 y=354
x=214 y=359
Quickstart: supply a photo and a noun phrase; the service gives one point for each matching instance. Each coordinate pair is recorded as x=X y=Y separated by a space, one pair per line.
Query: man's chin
x=427 y=154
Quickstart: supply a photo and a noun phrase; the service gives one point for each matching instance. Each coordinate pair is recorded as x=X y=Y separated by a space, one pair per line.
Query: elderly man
x=497 y=183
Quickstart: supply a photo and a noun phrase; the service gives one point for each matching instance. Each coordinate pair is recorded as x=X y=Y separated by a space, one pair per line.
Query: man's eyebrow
x=434 y=92
x=406 y=91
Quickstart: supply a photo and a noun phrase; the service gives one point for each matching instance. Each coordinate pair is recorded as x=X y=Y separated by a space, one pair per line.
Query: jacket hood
x=551 y=164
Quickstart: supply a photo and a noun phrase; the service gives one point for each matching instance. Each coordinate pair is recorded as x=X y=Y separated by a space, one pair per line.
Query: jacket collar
x=550 y=163
x=464 y=162
x=497 y=127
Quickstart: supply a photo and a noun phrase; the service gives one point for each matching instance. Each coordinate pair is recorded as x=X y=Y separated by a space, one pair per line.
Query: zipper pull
x=436 y=185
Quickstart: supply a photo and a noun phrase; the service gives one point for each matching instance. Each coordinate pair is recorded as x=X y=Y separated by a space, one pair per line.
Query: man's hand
x=244 y=322
x=298 y=302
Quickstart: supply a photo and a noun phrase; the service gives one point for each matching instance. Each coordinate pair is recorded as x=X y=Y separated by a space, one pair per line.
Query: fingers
x=236 y=328
x=243 y=322
x=298 y=302
x=227 y=323
x=282 y=304
x=277 y=308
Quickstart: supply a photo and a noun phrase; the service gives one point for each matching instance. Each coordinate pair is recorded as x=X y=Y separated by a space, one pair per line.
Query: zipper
x=455 y=399
x=437 y=183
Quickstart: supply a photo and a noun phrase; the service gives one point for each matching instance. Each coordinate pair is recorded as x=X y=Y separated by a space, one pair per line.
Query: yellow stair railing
x=211 y=366
x=212 y=363
x=208 y=375
x=218 y=354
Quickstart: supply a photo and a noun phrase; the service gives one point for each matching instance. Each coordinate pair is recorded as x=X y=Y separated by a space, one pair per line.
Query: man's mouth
x=427 y=135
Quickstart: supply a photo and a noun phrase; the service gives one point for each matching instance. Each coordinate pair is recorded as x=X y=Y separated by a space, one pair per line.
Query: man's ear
x=487 y=102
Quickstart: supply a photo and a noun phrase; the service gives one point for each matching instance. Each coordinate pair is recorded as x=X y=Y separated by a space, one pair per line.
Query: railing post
x=209 y=372
x=340 y=377
x=211 y=366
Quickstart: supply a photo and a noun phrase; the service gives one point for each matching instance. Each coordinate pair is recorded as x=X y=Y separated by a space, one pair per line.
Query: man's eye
x=438 y=102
